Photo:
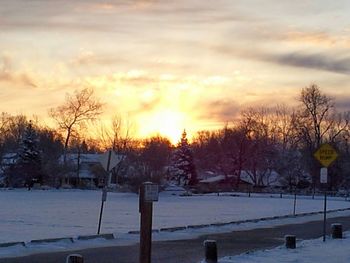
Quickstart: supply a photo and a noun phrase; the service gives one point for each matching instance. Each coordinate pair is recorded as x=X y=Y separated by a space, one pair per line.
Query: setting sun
x=167 y=123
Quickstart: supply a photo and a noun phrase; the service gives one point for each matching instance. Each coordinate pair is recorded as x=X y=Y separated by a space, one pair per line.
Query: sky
x=172 y=65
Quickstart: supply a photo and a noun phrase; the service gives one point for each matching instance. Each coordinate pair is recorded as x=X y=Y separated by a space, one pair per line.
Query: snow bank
x=316 y=250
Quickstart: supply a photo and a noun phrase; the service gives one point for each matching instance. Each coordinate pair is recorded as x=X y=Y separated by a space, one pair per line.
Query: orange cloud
x=319 y=38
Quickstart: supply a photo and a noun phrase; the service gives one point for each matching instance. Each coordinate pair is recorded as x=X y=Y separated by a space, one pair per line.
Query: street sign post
x=326 y=155
x=108 y=161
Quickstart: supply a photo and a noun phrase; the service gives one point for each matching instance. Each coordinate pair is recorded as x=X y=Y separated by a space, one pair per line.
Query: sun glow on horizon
x=168 y=123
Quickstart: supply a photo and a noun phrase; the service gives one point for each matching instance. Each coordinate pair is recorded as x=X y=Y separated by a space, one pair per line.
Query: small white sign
x=324 y=176
x=151 y=193
x=104 y=195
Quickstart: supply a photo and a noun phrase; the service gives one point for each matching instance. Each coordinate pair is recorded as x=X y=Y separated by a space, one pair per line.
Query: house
x=260 y=179
x=7 y=160
x=86 y=169
x=81 y=169
x=219 y=182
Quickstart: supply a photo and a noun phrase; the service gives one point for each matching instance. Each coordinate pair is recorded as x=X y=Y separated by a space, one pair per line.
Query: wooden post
x=75 y=258
x=290 y=241
x=211 y=253
x=337 y=231
x=146 y=210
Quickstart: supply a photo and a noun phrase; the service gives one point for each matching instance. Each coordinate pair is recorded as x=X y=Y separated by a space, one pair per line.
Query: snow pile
x=316 y=250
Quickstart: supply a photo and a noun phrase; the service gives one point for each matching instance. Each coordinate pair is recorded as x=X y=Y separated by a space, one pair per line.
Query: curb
x=89 y=237
x=172 y=229
x=134 y=232
x=51 y=240
x=10 y=244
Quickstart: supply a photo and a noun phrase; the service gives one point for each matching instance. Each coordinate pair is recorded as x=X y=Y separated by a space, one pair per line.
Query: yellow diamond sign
x=326 y=154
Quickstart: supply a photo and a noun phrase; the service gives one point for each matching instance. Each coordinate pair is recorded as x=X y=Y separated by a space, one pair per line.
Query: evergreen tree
x=29 y=159
x=182 y=170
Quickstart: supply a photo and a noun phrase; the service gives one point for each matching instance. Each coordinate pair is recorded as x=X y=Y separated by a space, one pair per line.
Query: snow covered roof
x=215 y=179
x=9 y=158
x=84 y=158
x=173 y=187
x=266 y=179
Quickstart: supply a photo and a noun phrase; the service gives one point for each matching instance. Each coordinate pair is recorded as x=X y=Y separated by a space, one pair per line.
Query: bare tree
x=315 y=117
x=318 y=122
x=76 y=111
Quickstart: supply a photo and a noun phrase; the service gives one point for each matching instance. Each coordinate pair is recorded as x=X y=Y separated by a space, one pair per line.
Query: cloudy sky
x=169 y=65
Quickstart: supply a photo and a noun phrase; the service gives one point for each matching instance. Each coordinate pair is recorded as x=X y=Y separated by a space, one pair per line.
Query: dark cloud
x=7 y=74
x=337 y=63
x=219 y=110
x=313 y=61
x=342 y=103
x=78 y=15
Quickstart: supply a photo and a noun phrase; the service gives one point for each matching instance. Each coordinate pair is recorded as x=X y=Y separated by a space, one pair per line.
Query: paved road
x=191 y=251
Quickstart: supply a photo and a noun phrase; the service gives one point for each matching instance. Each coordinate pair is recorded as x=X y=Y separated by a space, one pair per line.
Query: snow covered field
x=27 y=215
x=335 y=250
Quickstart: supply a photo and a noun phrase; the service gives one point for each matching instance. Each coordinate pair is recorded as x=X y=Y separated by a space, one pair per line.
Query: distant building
x=81 y=168
x=7 y=160
x=86 y=169
x=220 y=182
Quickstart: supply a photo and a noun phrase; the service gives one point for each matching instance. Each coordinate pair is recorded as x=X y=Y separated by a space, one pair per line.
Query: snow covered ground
x=27 y=215
x=335 y=250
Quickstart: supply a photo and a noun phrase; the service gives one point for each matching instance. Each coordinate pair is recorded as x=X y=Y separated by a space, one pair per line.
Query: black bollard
x=211 y=253
x=75 y=258
x=337 y=231
x=290 y=241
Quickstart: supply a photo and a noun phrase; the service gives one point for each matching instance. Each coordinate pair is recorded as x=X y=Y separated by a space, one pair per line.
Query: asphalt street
x=191 y=251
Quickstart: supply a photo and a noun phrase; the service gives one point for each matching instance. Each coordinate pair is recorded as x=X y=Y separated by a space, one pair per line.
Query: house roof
x=267 y=179
x=9 y=158
x=215 y=179
x=84 y=158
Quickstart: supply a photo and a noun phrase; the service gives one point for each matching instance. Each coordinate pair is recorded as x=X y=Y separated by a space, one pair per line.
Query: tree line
x=262 y=140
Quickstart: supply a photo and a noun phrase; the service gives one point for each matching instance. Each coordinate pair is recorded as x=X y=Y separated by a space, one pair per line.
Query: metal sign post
x=324 y=181
x=104 y=192
x=325 y=216
x=326 y=155
x=295 y=201
x=104 y=198
x=148 y=194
